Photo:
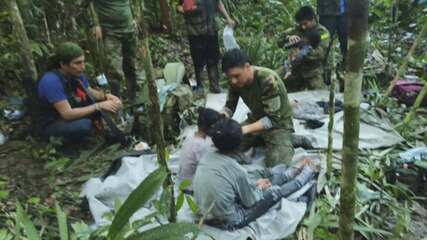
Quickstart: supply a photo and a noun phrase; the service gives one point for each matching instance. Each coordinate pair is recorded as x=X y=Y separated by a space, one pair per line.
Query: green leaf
x=81 y=230
x=5 y=235
x=136 y=200
x=192 y=204
x=62 y=222
x=4 y=195
x=172 y=231
x=184 y=184
x=313 y=222
x=179 y=201
x=29 y=228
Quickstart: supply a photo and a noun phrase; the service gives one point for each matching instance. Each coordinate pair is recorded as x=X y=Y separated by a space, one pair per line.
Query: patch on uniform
x=324 y=36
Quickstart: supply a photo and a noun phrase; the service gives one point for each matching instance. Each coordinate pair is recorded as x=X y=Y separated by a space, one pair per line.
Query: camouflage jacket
x=266 y=96
x=202 y=21
x=328 y=7
x=312 y=64
x=114 y=16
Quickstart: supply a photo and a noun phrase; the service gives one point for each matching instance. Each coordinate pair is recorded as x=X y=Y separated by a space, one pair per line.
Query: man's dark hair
x=305 y=13
x=313 y=37
x=207 y=117
x=234 y=58
x=226 y=135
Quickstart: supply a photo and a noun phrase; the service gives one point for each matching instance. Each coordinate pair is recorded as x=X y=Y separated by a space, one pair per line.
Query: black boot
x=213 y=75
x=198 y=72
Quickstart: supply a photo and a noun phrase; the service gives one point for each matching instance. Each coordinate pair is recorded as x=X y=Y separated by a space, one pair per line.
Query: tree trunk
x=29 y=71
x=331 y=116
x=358 y=33
x=166 y=15
x=156 y=117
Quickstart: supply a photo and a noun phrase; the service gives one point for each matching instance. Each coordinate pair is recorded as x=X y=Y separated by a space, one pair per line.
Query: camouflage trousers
x=120 y=52
x=278 y=145
x=299 y=82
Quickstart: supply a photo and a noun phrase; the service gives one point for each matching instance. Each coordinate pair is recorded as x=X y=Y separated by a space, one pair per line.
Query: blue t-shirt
x=50 y=87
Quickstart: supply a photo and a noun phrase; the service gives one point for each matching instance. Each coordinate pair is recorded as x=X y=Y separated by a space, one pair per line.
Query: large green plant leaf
x=172 y=231
x=5 y=235
x=62 y=222
x=24 y=220
x=136 y=200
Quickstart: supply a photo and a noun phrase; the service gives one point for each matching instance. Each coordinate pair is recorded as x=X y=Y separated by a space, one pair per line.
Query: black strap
x=121 y=137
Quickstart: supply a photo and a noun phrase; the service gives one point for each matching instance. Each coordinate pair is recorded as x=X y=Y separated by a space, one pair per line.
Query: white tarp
x=375 y=130
x=278 y=223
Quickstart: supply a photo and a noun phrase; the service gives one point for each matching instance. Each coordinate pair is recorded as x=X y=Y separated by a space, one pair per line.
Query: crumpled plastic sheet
x=229 y=39
x=279 y=222
x=311 y=111
x=414 y=154
x=376 y=131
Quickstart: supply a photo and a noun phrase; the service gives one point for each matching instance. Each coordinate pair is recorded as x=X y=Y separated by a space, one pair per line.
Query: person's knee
x=279 y=154
x=73 y=130
x=82 y=128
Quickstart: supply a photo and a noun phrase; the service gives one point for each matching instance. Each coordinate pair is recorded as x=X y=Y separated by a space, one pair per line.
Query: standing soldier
x=264 y=93
x=114 y=25
x=307 y=73
x=202 y=33
x=332 y=15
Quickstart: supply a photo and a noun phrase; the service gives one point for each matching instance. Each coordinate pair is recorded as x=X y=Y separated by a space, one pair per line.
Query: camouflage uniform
x=202 y=31
x=309 y=73
x=116 y=20
x=267 y=97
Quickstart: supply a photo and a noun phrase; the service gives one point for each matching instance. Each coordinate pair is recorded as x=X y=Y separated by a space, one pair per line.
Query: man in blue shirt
x=65 y=110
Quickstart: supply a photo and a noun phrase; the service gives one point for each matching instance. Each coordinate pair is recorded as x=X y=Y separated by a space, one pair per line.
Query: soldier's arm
x=93 y=14
x=89 y=15
x=284 y=37
x=223 y=11
x=179 y=7
x=271 y=100
x=231 y=103
x=272 y=106
x=318 y=54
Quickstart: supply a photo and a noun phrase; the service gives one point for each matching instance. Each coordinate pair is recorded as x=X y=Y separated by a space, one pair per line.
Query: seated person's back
x=197 y=145
x=220 y=179
x=222 y=188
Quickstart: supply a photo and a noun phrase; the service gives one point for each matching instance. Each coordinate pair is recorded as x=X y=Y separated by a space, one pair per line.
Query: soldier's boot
x=198 y=72
x=213 y=75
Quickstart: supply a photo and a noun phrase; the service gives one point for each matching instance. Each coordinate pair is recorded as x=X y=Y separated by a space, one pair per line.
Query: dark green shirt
x=115 y=16
x=266 y=96
x=202 y=21
x=311 y=65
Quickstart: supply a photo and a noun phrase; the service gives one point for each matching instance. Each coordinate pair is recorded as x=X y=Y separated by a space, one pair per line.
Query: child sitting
x=197 y=145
